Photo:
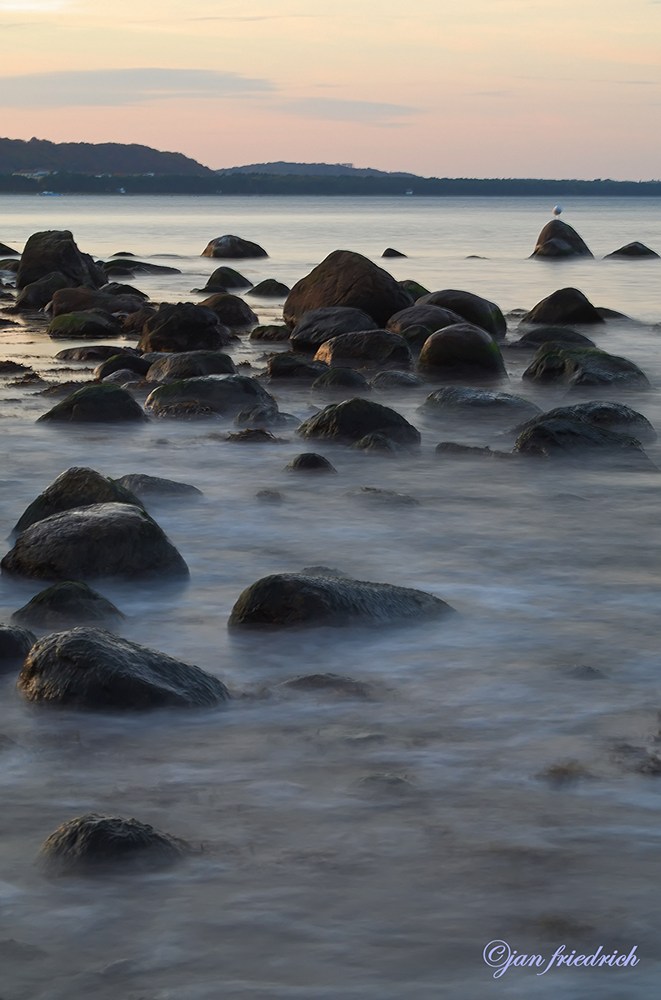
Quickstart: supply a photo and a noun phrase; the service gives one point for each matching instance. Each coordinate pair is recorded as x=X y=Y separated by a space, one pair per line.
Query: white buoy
x=557 y=209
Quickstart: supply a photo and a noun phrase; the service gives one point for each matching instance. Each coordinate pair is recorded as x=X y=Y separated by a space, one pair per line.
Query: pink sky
x=480 y=88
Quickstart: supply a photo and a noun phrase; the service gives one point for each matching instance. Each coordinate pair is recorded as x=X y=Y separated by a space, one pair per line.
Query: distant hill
x=282 y=168
x=94 y=158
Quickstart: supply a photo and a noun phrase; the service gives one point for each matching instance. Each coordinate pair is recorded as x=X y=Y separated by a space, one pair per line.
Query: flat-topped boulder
x=288 y=365
x=460 y=401
x=100 y=403
x=366 y=349
x=103 y=540
x=611 y=416
x=183 y=326
x=564 y=307
x=134 y=364
x=558 y=239
x=318 y=325
x=472 y=308
x=85 y=325
x=75 y=300
x=223 y=394
x=462 y=350
x=352 y=419
x=75 y=487
x=285 y=600
x=89 y=668
x=56 y=250
x=233 y=247
x=583 y=366
x=540 y=335
x=190 y=364
x=346 y=278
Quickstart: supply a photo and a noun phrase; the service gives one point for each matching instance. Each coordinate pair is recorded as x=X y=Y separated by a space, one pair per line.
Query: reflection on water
x=489 y=787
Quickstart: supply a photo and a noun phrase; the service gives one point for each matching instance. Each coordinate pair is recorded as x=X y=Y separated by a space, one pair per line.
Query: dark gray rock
x=310 y=461
x=223 y=394
x=6 y=251
x=577 y=366
x=96 y=403
x=558 y=239
x=374 y=496
x=104 y=540
x=342 y=378
x=233 y=247
x=390 y=252
x=95 y=352
x=273 y=333
x=462 y=400
x=55 y=250
x=365 y=348
x=89 y=325
x=146 y=487
x=421 y=317
x=352 y=419
x=253 y=435
x=15 y=644
x=122 y=362
x=564 y=307
x=294 y=366
x=291 y=599
x=182 y=326
x=562 y=438
x=129 y=268
x=76 y=487
x=37 y=294
x=453 y=449
x=462 y=351
x=632 y=251
x=472 y=308
x=414 y=288
x=189 y=364
x=270 y=289
x=396 y=380
x=66 y=604
x=611 y=416
x=232 y=311
x=96 y=845
x=318 y=325
x=377 y=442
x=226 y=278
x=102 y=300
x=539 y=336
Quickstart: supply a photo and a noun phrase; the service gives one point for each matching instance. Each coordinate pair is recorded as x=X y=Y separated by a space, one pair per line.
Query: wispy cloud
x=35 y=5
x=121 y=87
x=341 y=110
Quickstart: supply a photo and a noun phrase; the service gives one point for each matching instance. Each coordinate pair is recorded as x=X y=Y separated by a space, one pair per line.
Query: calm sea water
x=314 y=883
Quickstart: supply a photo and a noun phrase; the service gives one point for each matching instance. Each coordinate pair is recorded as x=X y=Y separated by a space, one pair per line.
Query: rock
x=557 y=239
x=37 y=294
x=261 y=415
x=389 y=252
x=271 y=332
x=612 y=416
x=183 y=326
x=451 y=449
x=65 y=604
x=133 y=323
x=290 y=599
x=96 y=352
x=233 y=246
x=472 y=308
x=564 y=307
x=269 y=496
x=372 y=495
x=132 y=363
x=84 y=325
x=378 y=442
x=345 y=278
x=423 y=320
x=396 y=380
x=10 y=266
x=131 y=267
x=95 y=403
x=293 y=366
x=342 y=378
x=460 y=400
x=579 y=366
x=6 y=251
x=224 y=278
x=14 y=368
x=564 y=335
x=319 y=325
x=352 y=419
x=367 y=348
x=15 y=644
x=122 y=291
x=328 y=683
x=632 y=251
x=309 y=461
x=224 y=394
x=231 y=311
x=145 y=487
x=125 y=377
x=89 y=668
x=104 y=540
x=270 y=289
x=77 y=487
x=55 y=250
x=462 y=350
x=253 y=435
x=190 y=364
x=75 y=300
x=558 y=437
x=94 y=844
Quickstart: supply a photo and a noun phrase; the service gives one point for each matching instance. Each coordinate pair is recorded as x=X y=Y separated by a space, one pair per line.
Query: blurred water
x=312 y=883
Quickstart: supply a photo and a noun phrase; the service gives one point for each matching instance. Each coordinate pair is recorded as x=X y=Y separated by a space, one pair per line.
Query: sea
x=494 y=797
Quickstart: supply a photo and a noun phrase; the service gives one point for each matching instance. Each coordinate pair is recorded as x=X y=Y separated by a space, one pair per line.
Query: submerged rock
x=270 y=289
x=576 y=366
x=290 y=599
x=328 y=683
x=65 y=604
x=95 y=352
x=94 y=844
x=76 y=487
x=15 y=644
x=89 y=668
x=145 y=487
x=96 y=403
x=352 y=419
x=104 y=540
x=224 y=278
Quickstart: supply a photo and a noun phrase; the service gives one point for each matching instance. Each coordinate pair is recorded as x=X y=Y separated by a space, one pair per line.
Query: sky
x=442 y=88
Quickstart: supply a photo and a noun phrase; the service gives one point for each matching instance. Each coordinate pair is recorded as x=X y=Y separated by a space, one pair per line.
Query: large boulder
x=15 y=644
x=611 y=416
x=290 y=599
x=104 y=540
x=583 y=366
x=366 y=349
x=233 y=247
x=65 y=604
x=87 y=325
x=55 y=250
x=75 y=300
x=96 y=845
x=223 y=394
x=463 y=401
x=352 y=419
x=558 y=239
x=232 y=311
x=76 y=487
x=96 y=403
x=562 y=438
x=346 y=278
x=90 y=668
x=183 y=326
x=471 y=307
x=37 y=294
x=632 y=251
x=564 y=307
x=319 y=325
x=190 y=364
x=462 y=350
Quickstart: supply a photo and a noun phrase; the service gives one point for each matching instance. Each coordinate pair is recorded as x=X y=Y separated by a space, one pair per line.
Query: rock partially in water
x=373 y=495
x=463 y=400
x=95 y=352
x=578 y=366
x=96 y=404
x=318 y=325
x=633 y=251
x=98 y=845
x=290 y=599
x=472 y=308
x=294 y=366
x=420 y=316
x=342 y=378
x=37 y=294
x=233 y=312
x=223 y=394
x=253 y=435
x=146 y=487
x=558 y=239
x=182 y=326
x=310 y=461
x=104 y=540
x=462 y=351
x=352 y=419
x=379 y=443
x=92 y=669
x=391 y=252
x=564 y=307
x=612 y=416
x=336 y=684
x=453 y=449
x=103 y=300
x=270 y=289
x=55 y=250
x=564 y=335
x=271 y=332
x=233 y=247
x=560 y=437
x=189 y=364
x=224 y=278
x=122 y=362
x=15 y=644
x=76 y=487
x=366 y=349
x=66 y=604
x=395 y=379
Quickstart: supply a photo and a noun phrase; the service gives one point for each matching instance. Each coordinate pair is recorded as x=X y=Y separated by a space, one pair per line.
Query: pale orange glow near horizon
x=488 y=88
